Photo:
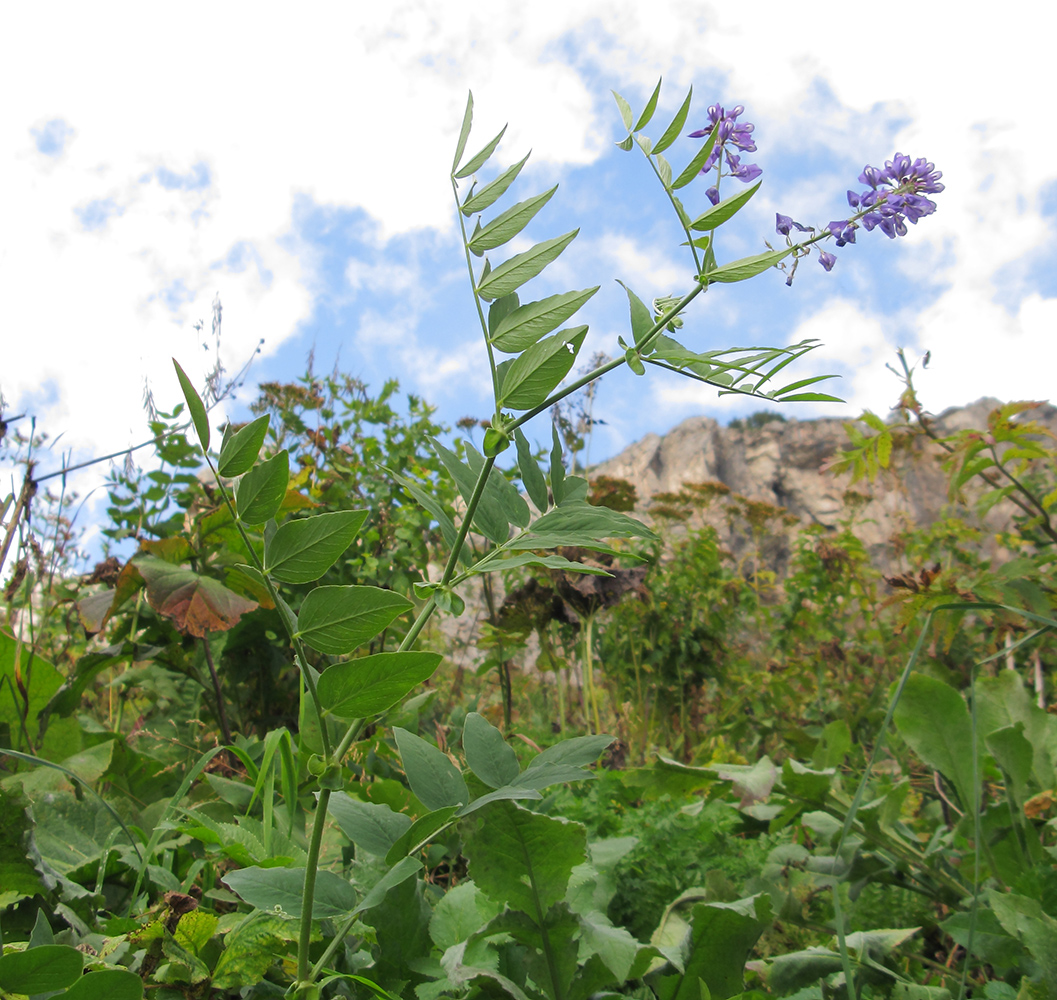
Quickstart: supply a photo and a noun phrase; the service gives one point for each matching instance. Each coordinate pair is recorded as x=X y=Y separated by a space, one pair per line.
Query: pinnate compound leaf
x=671 y=133
x=240 y=450
x=641 y=320
x=106 y=984
x=523 y=858
x=488 y=755
x=336 y=620
x=522 y=267
x=260 y=492
x=647 y=112
x=372 y=826
x=494 y=190
x=464 y=132
x=370 y=685
x=539 y=370
x=726 y=209
x=196 y=604
x=480 y=159
x=746 y=267
x=531 y=476
x=195 y=406
x=46 y=969
x=302 y=551
x=625 y=110
x=526 y=324
x=432 y=776
x=280 y=891
x=505 y=226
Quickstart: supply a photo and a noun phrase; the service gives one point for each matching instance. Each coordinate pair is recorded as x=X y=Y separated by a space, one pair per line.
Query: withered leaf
x=196 y=604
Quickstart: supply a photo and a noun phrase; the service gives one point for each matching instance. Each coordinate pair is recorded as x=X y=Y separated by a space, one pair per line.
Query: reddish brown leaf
x=196 y=604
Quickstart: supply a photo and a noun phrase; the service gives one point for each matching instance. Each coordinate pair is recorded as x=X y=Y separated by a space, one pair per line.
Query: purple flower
x=827 y=260
x=745 y=174
x=712 y=194
x=729 y=132
x=784 y=224
x=896 y=195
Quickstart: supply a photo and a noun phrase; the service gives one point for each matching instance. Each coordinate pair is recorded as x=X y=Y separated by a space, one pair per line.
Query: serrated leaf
x=464 y=132
x=625 y=110
x=726 y=209
x=520 y=328
x=694 y=167
x=505 y=226
x=240 y=450
x=522 y=267
x=647 y=112
x=746 y=267
x=302 y=551
x=370 y=685
x=195 y=407
x=336 y=620
x=538 y=371
x=531 y=476
x=671 y=133
x=494 y=190
x=478 y=161
x=488 y=755
x=260 y=492
x=436 y=781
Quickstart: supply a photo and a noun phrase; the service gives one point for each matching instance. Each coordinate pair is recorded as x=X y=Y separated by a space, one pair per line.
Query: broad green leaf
x=510 y=501
x=548 y=774
x=1004 y=701
x=671 y=133
x=557 y=468
x=585 y=518
x=499 y=795
x=934 y=720
x=459 y=913
x=526 y=324
x=240 y=450
x=480 y=159
x=613 y=945
x=1015 y=755
x=531 y=477
x=196 y=604
x=432 y=776
x=641 y=319
x=539 y=370
x=464 y=132
x=63 y=736
x=523 y=858
x=488 y=755
x=634 y=361
x=280 y=891
x=106 y=984
x=505 y=226
x=250 y=948
x=746 y=267
x=523 y=267
x=494 y=190
x=336 y=620
x=46 y=969
x=625 y=110
x=369 y=685
x=694 y=167
x=195 y=406
x=302 y=551
x=371 y=826
x=260 y=493
x=578 y=751
x=499 y=310
x=400 y=872
x=489 y=517
x=1025 y=919
x=18 y=876
x=420 y=833
x=726 y=209
x=796 y=969
x=647 y=112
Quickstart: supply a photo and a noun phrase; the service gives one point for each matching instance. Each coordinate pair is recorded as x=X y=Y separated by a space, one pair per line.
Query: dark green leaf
x=505 y=494
x=647 y=112
x=625 y=110
x=525 y=325
x=531 y=477
x=494 y=190
x=195 y=407
x=464 y=132
x=106 y=984
x=369 y=685
x=499 y=795
x=641 y=320
x=505 y=226
x=280 y=890
x=240 y=450
x=46 y=969
x=302 y=551
x=693 y=168
x=539 y=370
x=523 y=267
x=588 y=519
x=489 y=517
x=746 y=267
x=260 y=493
x=478 y=161
x=671 y=133
x=371 y=826
x=432 y=776
x=726 y=209
x=400 y=872
x=488 y=755
x=500 y=309
x=552 y=773
x=336 y=620
x=557 y=468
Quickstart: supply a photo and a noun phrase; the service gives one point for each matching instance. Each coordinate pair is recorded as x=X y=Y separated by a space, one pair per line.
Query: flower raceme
x=731 y=132
x=896 y=195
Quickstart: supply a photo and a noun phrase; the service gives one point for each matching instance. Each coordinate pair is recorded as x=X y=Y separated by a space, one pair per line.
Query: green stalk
x=304 y=939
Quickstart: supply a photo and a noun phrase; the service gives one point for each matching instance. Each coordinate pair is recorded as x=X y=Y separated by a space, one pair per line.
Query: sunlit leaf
x=625 y=110
x=240 y=450
x=260 y=492
x=464 y=132
x=505 y=226
x=671 y=133
x=522 y=267
x=526 y=324
x=195 y=406
x=302 y=551
x=369 y=685
x=494 y=190
x=726 y=209
x=336 y=620
x=746 y=267
x=478 y=161
x=694 y=167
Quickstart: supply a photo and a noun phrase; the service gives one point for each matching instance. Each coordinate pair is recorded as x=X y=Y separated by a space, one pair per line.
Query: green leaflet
x=44 y=969
x=505 y=226
x=488 y=755
x=538 y=371
x=369 y=685
x=464 y=132
x=499 y=310
x=625 y=110
x=432 y=776
x=647 y=112
x=420 y=833
x=489 y=517
x=671 y=133
x=499 y=488
x=476 y=162
x=746 y=267
x=693 y=168
x=535 y=484
x=578 y=516
x=524 y=325
x=522 y=267
x=557 y=468
x=302 y=551
x=106 y=984
x=494 y=190
x=336 y=620
x=726 y=209
x=240 y=450
x=372 y=826
x=260 y=492
x=280 y=890
x=195 y=406
x=641 y=318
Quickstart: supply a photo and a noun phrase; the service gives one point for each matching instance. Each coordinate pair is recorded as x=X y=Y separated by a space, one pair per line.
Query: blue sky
x=298 y=168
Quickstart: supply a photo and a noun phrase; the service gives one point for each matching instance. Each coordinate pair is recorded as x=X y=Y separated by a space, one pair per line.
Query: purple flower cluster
x=735 y=134
x=896 y=196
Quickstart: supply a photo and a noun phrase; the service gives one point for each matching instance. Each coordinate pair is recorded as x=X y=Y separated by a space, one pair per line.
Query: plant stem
x=304 y=939
x=222 y=715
